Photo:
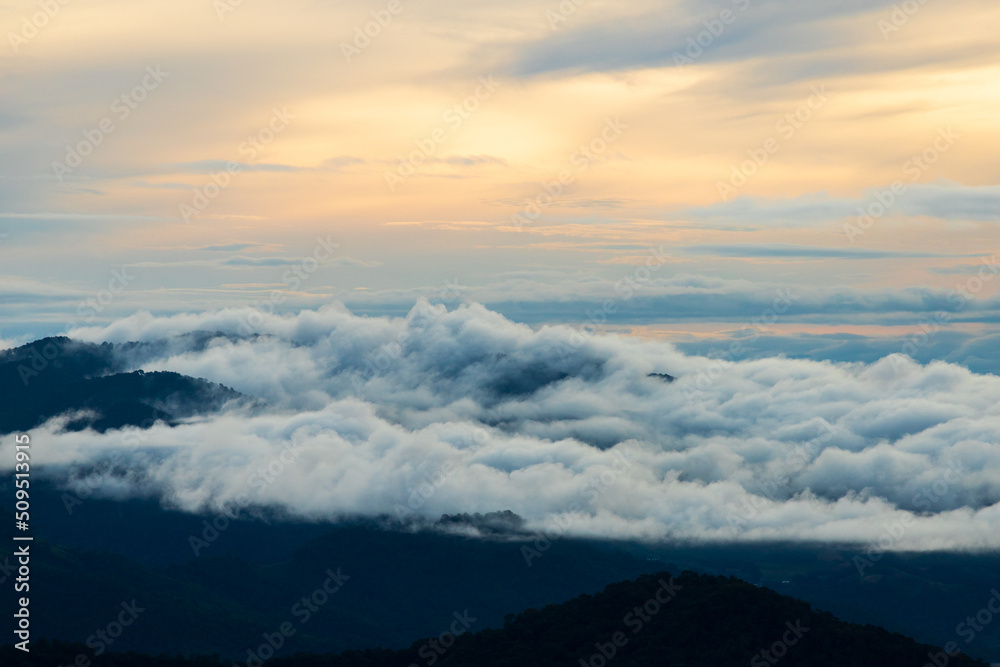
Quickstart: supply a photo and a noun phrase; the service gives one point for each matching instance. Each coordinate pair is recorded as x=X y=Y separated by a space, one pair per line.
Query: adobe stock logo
x=30 y=27
x=786 y=126
x=121 y=108
x=635 y=620
x=455 y=117
x=714 y=27
x=779 y=649
x=900 y=16
x=219 y=181
x=913 y=169
x=372 y=30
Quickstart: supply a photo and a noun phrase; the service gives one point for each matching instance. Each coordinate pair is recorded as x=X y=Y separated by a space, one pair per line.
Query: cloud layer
x=464 y=411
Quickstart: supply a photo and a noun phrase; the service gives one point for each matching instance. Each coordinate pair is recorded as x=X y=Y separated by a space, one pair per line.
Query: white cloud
x=478 y=414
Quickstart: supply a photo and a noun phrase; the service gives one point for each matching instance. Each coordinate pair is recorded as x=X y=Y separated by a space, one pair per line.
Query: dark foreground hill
x=408 y=584
x=55 y=376
x=691 y=621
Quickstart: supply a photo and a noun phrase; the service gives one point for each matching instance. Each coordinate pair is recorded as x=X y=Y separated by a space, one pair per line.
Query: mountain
x=56 y=376
x=691 y=621
x=398 y=585
x=926 y=595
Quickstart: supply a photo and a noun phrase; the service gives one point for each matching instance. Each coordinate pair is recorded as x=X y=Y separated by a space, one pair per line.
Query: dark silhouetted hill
x=925 y=595
x=56 y=376
x=402 y=585
x=693 y=621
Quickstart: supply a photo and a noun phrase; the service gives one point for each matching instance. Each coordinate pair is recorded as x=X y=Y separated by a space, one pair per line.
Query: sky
x=445 y=246
x=658 y=169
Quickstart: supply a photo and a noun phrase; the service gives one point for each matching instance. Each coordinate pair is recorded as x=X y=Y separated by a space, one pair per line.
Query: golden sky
x=737 y=139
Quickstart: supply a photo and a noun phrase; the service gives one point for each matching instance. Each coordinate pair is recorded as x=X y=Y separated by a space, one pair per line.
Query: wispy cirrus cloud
x=788 y=251
x=939 y=200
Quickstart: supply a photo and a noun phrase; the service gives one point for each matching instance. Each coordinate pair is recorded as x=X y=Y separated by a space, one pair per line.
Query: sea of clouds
x=465 y=411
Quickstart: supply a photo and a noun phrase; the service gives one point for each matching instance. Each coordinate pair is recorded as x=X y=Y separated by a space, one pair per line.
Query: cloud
x=468 y=160
x=342 y=161
x=242 y=261
x=464 y=411
x=953 y=201
x=211 y=166
x=686 y=297
x=76 y=217
x=652 y=35
x=941 y=200
x=27 y=290
x=784 y=250
x=351 y=262
x=231 y=247
x=974 y=351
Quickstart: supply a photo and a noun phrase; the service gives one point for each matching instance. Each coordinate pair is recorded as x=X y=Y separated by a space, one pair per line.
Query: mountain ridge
x=85 y=382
